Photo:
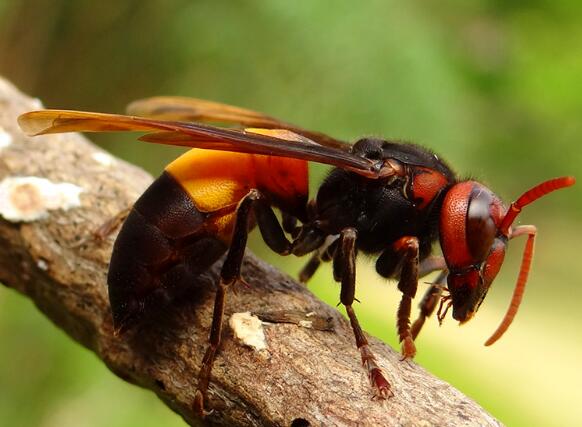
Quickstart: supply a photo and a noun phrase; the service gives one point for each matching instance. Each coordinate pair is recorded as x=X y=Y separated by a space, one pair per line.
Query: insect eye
x=481 y=228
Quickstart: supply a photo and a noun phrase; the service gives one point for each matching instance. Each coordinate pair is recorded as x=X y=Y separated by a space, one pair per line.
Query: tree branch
x=304 y=374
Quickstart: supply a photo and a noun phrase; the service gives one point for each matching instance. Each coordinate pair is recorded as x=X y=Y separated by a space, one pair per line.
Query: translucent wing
x=273 y=142
x=199 y=110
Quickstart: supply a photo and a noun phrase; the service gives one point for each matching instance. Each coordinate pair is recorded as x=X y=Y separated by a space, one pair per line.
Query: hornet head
x=475 y=227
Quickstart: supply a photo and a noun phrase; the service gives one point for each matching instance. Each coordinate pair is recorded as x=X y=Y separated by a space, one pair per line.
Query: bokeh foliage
x=493 y=86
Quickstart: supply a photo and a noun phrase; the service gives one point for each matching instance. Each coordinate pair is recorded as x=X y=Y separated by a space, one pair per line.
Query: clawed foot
x=408 y=348
x=238 y=284
x=99 y=235
x=199 y=405
x=381 y=386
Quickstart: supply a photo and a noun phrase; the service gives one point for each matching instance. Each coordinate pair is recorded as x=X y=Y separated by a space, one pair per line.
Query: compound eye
x=481 y=228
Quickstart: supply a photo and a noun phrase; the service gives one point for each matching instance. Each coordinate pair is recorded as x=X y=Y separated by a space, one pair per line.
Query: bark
x=304 y=374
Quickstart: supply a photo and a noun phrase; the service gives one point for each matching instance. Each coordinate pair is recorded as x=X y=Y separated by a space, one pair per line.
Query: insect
x=384 y=198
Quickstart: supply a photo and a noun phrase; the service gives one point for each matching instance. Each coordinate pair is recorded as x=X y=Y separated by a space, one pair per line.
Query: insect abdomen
x=183 y=223
x=160 y=250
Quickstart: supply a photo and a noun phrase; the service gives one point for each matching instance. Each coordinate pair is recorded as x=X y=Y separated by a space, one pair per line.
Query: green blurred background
x=494 y=86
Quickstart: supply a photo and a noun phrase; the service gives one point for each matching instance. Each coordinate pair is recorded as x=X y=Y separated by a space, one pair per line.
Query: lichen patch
x=42 y=264
x=248 y=329
x=102 y=158
x=24 y=199
x=5 y=138
x=36 y=104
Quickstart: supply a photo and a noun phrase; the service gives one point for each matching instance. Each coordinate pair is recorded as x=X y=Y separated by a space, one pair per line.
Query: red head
x=475 y=227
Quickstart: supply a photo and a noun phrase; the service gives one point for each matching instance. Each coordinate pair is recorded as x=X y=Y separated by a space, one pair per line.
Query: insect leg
x=306 y=239
x=269 y=226
x=345 y=260
x=324 y=254
x=106 y=229
x=310 y=268
x=112 y=224
x=407 y=249
x=229 y=274
x=289 y=223
x=429 y=303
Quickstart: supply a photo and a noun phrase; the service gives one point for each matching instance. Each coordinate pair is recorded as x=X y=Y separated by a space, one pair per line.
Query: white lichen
x=5 y=138
x=24 y=199
x=42 y=264
x=248 y=329
x=103 y=158
x=36 y=104
x=306 y=324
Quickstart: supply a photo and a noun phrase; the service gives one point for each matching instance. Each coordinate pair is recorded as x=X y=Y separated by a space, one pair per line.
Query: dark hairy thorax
x=384 y=210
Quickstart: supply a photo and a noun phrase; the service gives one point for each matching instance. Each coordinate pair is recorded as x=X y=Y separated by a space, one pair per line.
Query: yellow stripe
x=214 y=179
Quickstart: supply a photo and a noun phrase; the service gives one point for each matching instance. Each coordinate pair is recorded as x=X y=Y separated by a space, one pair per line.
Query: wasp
x=384 y=198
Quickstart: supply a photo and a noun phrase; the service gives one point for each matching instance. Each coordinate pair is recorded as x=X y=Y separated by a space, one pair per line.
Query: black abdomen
x=160 y=250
